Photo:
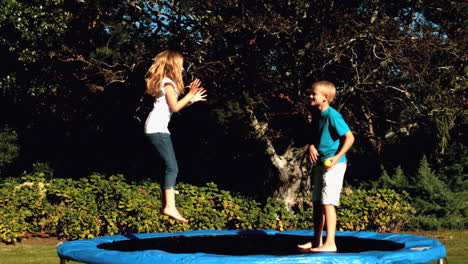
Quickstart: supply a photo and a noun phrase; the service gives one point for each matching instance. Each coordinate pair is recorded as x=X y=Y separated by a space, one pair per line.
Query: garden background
x=74 y=162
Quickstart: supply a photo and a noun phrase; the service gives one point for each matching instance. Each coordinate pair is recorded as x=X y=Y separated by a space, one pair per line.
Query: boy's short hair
x=329 y=88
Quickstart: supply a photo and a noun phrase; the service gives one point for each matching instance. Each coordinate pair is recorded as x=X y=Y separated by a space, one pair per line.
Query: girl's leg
x=163 y=144
x=170 y=208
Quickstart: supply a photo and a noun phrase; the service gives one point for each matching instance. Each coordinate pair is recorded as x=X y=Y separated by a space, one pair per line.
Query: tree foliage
x=9 y=148
x=74 y=79
x=399 y=69
x=437 y=203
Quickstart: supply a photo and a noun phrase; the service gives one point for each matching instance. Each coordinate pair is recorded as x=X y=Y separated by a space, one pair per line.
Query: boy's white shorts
x=328 y=183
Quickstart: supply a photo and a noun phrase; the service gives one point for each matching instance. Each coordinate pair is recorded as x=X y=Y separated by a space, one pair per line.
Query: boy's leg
x=332 y=184
x=330 y=222
x=318 y=213
x=319 y=223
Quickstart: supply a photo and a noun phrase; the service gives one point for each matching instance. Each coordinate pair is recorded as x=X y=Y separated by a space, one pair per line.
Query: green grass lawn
x=42 y=251
x=455 y=242
x=33 y=250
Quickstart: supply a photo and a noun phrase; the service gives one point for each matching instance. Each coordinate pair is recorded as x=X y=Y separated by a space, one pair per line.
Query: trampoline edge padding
x=416 y=249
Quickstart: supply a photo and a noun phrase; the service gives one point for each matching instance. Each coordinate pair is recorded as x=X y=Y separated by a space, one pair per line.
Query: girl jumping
x=164 y=83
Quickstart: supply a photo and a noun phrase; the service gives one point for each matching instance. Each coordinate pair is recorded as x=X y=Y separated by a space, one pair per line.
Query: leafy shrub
x=12 y=223
x=9 y=147
x=273 y=216
x=105 y=205
x=303 y=214
x=381 y=210
x=21 y=207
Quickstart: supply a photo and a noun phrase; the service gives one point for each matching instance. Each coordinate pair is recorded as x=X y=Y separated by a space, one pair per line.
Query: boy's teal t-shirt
x=330 y=128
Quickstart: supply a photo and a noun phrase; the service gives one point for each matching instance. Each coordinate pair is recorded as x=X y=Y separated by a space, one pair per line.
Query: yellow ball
x=327 y=163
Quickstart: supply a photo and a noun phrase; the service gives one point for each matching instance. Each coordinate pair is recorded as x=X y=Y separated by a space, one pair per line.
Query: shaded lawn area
x=42 y=250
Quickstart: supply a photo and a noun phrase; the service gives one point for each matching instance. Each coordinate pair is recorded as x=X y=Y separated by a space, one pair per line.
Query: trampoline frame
x=417 y=249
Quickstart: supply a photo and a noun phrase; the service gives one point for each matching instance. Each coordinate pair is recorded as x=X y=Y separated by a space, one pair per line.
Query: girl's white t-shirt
x=158 y=119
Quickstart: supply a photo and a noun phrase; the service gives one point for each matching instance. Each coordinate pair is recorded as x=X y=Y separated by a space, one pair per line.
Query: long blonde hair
x=169 y=64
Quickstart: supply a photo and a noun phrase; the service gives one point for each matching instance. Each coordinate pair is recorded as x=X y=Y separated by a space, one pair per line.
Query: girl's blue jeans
x=163 y=144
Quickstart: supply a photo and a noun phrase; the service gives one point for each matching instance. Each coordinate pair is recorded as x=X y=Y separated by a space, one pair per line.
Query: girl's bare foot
x=174 y=213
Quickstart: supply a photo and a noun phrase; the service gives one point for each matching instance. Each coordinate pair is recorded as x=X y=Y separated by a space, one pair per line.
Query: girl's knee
x=172 y=170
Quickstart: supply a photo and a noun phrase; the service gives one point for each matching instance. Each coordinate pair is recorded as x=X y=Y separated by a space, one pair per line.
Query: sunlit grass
x=455 y=242
x=29 y=253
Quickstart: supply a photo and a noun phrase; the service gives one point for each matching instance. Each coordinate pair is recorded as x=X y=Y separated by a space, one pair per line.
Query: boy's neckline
x=323 y=109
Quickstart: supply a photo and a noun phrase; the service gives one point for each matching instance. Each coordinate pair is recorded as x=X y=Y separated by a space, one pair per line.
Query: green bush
x=303 y=215
x=437 y=205
x=13 y=221
x=381 y=210
x=105 y=205
x=9 y=147
x=453 y=167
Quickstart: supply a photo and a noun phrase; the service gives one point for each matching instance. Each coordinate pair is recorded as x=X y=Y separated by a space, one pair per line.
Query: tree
x=30 y=39
x=66 y=63
x=398 y=65
x=393 y=65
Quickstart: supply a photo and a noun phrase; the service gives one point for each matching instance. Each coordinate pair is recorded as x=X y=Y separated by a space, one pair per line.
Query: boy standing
x=332 y=139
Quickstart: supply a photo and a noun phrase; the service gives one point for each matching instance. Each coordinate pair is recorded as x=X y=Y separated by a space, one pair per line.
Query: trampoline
x=262 y=246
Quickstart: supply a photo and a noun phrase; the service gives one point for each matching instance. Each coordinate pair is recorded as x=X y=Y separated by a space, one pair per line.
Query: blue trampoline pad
x=261 y=246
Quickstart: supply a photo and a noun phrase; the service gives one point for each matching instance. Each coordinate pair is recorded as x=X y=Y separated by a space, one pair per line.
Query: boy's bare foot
x=324 y=248
x=173 y=213
x=307 y=245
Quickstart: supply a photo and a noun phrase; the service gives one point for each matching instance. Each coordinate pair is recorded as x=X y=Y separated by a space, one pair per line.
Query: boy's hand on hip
x=313 y=154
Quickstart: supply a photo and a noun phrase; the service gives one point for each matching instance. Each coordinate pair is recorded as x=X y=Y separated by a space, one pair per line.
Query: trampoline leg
x=440 y=261
x=63 y=261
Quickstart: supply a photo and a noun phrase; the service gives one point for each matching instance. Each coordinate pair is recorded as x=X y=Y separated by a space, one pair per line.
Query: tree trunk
x=293 y=176
x=290 y=173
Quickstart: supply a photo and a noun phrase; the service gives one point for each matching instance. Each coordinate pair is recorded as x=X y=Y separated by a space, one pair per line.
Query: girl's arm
x=195 y=94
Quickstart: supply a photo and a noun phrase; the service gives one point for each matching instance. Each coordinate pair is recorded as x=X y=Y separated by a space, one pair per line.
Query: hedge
x=105 y=205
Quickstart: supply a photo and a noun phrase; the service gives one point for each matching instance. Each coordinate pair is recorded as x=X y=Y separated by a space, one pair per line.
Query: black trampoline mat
x=245 y=244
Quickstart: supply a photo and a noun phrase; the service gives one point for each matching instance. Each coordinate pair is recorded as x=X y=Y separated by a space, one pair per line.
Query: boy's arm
x=347 y=143
x=311 y=132
x=313 y=154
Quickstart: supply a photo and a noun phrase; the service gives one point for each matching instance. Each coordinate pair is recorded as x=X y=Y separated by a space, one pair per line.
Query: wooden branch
x=260 y=130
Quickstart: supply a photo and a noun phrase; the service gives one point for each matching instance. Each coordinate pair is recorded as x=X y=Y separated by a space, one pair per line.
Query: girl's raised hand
x=200 y=95
x=194 y=86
